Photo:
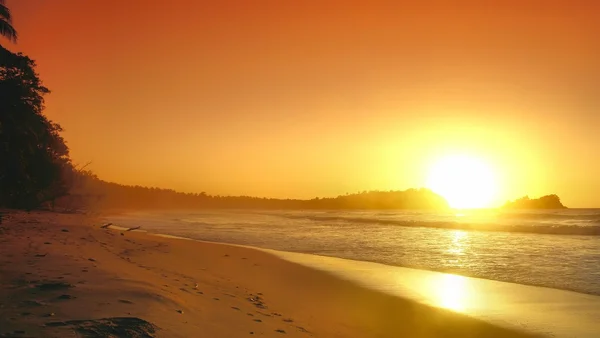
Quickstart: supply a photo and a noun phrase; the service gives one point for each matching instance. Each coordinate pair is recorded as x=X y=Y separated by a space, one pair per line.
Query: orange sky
x=319 y=98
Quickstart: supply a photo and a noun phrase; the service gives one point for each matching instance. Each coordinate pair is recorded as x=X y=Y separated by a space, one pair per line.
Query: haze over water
x=557 y=249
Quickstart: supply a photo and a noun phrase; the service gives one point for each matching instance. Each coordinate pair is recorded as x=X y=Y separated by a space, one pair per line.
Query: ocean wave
x=544 y=216
x=591 y=228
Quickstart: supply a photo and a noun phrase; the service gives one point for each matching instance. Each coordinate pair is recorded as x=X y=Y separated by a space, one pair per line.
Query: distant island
x=544 y=202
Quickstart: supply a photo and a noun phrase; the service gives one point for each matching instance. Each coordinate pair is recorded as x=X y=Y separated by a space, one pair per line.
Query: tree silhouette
x=33 y=156
x=6 y=28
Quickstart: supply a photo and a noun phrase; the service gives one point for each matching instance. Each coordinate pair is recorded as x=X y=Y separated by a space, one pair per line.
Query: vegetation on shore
x=91 y=192
x=34 y=158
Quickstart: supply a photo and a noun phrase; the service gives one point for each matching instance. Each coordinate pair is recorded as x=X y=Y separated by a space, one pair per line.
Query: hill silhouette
x=90 y=192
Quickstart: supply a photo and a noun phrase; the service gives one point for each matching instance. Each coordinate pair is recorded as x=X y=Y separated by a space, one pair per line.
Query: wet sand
x=65 y=276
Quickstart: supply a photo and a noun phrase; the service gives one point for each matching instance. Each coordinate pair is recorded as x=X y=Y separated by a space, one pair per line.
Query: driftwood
x=105 y=225
x=131 y=229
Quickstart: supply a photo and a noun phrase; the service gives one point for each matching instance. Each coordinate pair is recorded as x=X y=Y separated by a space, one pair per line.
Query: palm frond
x=7 y=30
x=5 y=13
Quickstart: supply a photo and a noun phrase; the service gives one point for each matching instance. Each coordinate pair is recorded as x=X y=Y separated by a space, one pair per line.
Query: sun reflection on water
x=452 y=292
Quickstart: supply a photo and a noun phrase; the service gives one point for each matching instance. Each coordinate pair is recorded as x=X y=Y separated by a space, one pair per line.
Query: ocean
x=557 y=249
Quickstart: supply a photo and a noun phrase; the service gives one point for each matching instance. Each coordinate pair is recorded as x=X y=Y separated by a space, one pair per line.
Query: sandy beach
x=63 y=275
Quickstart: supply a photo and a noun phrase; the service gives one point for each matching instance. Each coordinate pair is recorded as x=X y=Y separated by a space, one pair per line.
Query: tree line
x=92 y=193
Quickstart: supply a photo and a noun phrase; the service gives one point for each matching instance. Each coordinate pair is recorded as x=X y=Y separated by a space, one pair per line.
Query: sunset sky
x=319 y=98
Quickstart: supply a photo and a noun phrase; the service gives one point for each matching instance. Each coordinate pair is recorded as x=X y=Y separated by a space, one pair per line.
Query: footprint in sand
x=51 y=286
x=302 y=329
x=65 y=297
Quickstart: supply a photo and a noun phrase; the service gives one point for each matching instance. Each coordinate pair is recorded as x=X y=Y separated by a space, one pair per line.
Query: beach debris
x=258 y=320
x=125 y=301
x=110 y=327
x=288 y=320
x=91 y=260
x=105 y=225
x=196 y=286
x=40 y=255
x=47 y=243
x=280 y=331
x=65 y=230
x=235 y=308
x=180 y=311
x=131 y=229
x=51 y=314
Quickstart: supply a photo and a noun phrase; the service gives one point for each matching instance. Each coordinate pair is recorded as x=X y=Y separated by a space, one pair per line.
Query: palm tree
x=6 y=28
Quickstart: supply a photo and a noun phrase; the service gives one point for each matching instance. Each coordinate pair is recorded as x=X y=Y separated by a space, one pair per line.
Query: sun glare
x=465 y=182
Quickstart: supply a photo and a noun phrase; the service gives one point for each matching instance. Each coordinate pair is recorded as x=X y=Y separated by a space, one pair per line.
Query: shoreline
x=159 y=222
x=60 y=274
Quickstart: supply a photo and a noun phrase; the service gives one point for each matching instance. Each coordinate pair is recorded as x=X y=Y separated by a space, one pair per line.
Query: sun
x=465 y=182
